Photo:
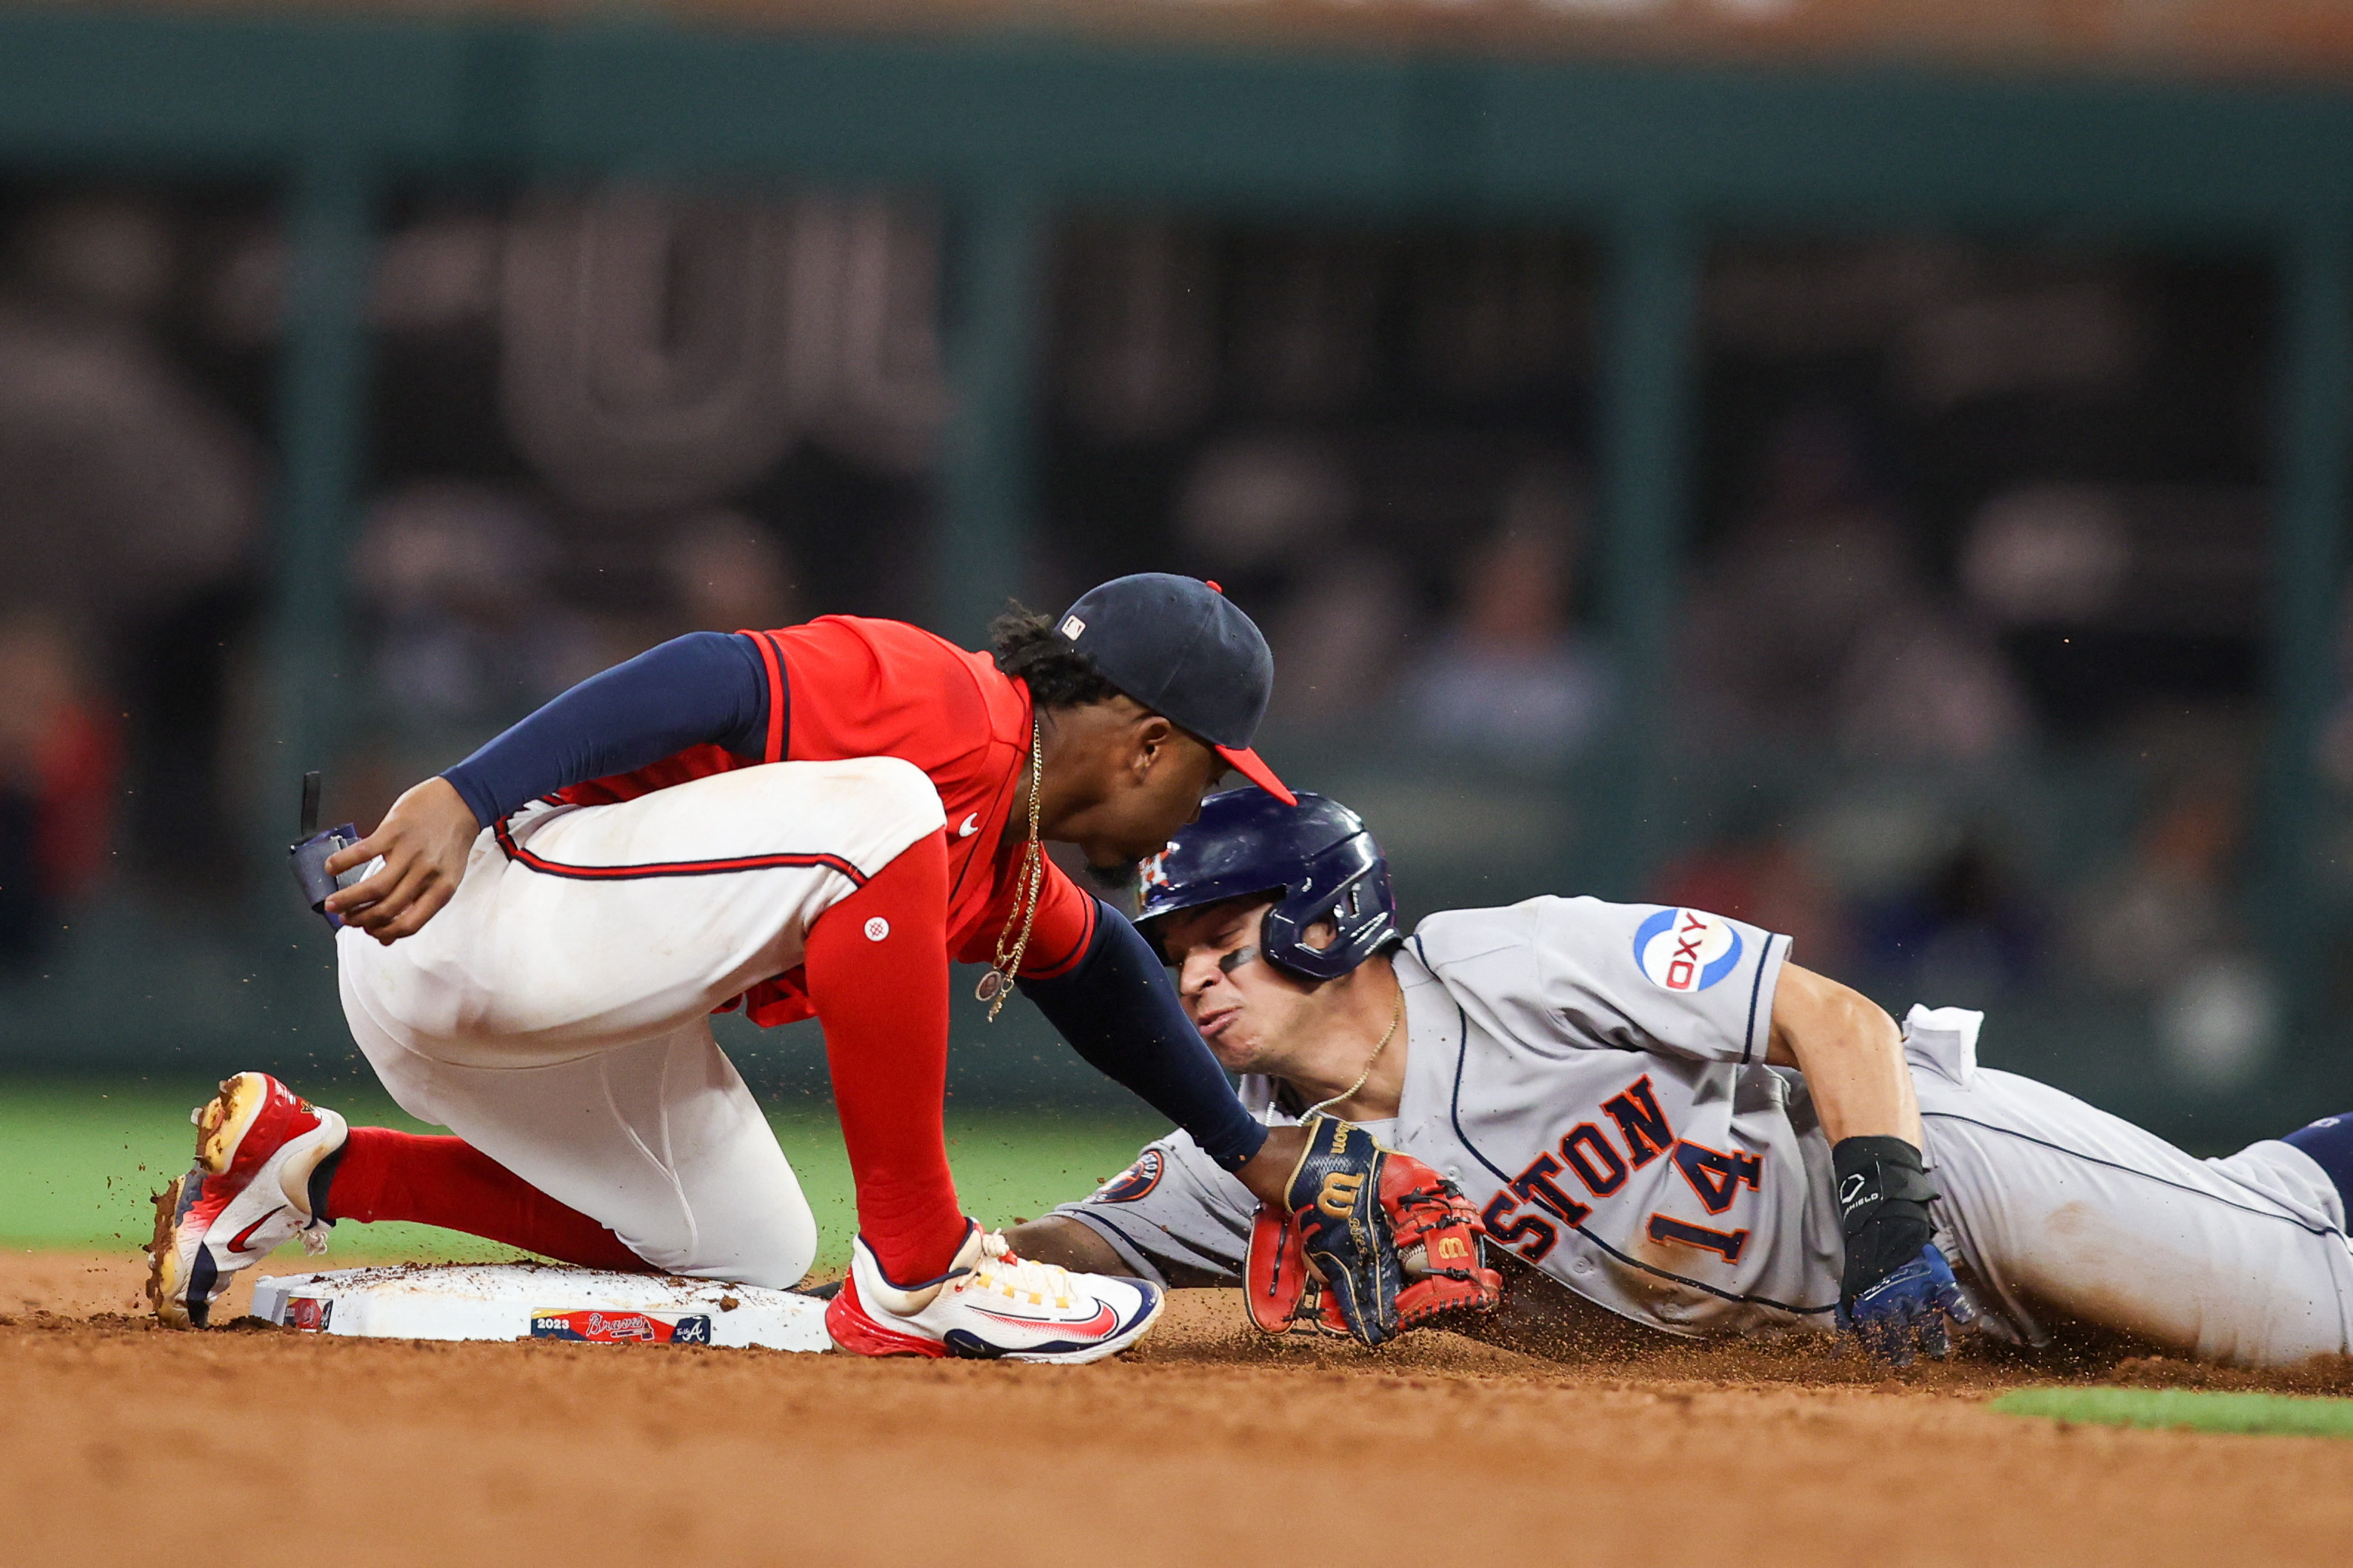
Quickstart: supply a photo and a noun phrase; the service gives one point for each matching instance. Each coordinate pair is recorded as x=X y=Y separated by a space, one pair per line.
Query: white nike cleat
x=257 y=1146
x=991 y=1305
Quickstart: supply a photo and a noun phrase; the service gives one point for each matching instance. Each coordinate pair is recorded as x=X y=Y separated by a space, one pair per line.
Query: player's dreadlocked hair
x=1025 y=644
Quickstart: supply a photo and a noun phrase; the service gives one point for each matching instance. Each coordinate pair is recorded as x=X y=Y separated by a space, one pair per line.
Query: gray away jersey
x=1593 y=1076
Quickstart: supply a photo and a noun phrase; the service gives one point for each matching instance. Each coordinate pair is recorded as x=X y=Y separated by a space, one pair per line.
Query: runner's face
x=1254 y=1017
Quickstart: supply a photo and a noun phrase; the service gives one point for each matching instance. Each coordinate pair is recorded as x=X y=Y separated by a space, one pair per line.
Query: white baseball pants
x=555 y=1014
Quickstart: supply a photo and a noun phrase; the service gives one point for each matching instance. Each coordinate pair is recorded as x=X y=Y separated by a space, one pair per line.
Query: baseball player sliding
x=1666 y=1117
x=807 y=821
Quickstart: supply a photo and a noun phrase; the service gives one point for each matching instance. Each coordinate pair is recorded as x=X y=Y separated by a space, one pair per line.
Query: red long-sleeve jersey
x=846 y=686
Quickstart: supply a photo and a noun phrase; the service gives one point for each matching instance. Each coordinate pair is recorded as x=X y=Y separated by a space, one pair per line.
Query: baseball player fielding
x=806 y=822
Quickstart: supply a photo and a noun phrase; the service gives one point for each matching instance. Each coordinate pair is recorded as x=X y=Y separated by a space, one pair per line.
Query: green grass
x=2278 y=1413
x=78 y=1160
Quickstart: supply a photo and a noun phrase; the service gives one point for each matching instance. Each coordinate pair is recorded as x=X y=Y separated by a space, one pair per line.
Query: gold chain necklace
x=1029 y=883
x=1397 y=1015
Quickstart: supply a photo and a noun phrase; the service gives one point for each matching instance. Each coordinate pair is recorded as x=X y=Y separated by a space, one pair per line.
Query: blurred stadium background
x=1876 y=468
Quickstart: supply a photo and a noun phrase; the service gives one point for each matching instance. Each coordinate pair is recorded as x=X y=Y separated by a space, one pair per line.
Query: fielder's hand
x=423 y=840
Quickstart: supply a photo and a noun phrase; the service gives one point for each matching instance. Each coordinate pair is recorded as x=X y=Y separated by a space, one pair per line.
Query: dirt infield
x=1209 y=1443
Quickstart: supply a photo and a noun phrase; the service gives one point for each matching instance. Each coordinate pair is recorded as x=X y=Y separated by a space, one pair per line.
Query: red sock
x=878 y=976
x=384 y=1174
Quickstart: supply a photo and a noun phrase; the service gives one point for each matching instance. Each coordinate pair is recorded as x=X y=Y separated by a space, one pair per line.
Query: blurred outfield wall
x=1644 y=185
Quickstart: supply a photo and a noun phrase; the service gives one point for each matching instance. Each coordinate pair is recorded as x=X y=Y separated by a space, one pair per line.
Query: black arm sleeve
x=706 y=688
x=1119 y=1009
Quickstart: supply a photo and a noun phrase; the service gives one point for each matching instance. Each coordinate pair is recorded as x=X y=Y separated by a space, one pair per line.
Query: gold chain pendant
x=996 y=985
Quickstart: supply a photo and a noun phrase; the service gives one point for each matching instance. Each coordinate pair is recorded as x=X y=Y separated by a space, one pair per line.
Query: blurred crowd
x=1906 y=839
x=599 y=423
x=131 y=503
x=1964 y=682
x=1965 y=688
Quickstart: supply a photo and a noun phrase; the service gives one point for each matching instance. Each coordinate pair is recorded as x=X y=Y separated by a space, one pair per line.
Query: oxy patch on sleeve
x=1686 y=950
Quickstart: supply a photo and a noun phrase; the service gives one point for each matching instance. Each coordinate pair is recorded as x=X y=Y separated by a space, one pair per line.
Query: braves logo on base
x=308 y=1314
x=592 y=1325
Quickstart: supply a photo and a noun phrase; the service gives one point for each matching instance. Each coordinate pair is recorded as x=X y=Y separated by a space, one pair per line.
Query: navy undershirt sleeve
x=703 y=689
x=1119 y=1009
x=2329 y=1142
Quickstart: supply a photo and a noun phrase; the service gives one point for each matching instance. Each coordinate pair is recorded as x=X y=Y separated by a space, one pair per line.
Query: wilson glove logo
x=1339 y=1193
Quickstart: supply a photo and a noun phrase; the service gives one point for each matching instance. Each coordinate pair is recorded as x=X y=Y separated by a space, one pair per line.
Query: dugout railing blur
x=1006 y=131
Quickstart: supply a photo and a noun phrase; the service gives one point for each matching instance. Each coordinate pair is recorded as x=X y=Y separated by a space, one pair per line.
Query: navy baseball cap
x=1180 y=646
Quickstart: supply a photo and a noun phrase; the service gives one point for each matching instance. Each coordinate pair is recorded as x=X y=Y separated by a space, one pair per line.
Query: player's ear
x=1151 y=739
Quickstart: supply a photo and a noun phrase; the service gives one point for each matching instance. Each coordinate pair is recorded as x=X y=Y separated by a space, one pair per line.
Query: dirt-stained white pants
x=555 y=1014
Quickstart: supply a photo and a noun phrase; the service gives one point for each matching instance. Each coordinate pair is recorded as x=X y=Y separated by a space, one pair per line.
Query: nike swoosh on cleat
x=1094 y=1328
x=238 y=1243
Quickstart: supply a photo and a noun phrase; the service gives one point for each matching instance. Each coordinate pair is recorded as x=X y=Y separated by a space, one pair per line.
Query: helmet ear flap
x=1359 y=905
x=1282 y=941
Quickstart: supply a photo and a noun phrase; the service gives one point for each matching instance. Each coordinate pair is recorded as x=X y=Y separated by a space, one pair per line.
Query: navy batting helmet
x=1318 y=857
